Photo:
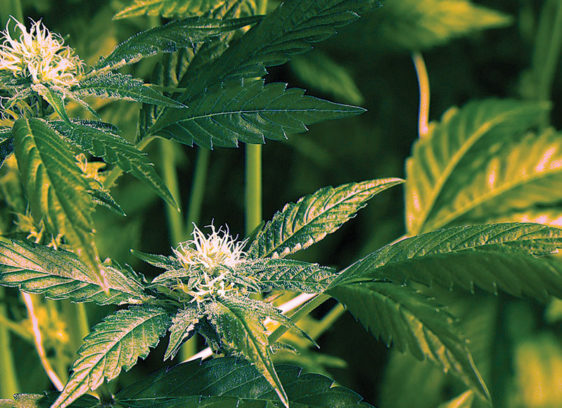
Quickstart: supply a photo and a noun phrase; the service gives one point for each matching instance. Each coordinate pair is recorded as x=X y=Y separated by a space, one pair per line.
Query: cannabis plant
x=480 y=193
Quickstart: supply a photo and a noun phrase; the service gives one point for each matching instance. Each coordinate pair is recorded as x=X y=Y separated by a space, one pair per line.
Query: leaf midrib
x=455 y=160
x=440 y=222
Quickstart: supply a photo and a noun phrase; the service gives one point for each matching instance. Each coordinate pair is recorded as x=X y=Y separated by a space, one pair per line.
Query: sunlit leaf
x=122 y=86
x=242 y=332
x=170 y=38
x=415 y=25
x=517 y=177
x=56 y=189
x=183 y=327
x=113 y=345
x=115 y=149
x=444 y=161
x=491 y=257
x=309 y=220
x=59 y=274
x=412 y=322
x=169 y=8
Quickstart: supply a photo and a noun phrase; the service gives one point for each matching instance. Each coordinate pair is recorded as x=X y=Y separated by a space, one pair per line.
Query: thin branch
x=423 y=81
x=38 y=339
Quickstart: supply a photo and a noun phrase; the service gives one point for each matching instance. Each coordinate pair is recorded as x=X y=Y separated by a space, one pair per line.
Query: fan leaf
x=309 y=220
x=169 y=8
x=170 y=38
x=116 y=150
x=122 y=86
x=61 y=275
x=248 y=111
x=287 y=274
x=504 y=256
x=182 y=328
x=242 y=333
x=443 y=162
x=231 y=382
x=521 y=175
x=113 y=345
x=56 y=188
x=411 y=322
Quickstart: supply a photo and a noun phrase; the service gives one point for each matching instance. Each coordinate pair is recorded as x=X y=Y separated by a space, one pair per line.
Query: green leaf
x=445 y=160
x=547 y=216
x=286 y=274
x=113 y=345
x=160 y=261
x=54 y=99
x=491 y=257
x=6 y=146
x=230 y=382
x=182 y=328
x=521 y=175
x=122 y=86
x=60 y=274
x=170 y=38
x=416 y=25
x=242 y=333
x=317 y=70
x=309 y=220
x=248 y=111
x=114 y=149
x=412 y=322
x=169 y=8
x=56 y=189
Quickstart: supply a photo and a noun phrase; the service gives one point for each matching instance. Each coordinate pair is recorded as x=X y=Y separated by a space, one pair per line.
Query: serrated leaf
x=182 y=328
x=170 y=38
x=248 y=111
x=309 y=220
x=230 y=382
x=122 y=86
x=100 y=196
x=318 y=71
x=289 y=30
x=57 y=192
x=242 y=332
x=53 y=98
x=444 y=161
x=116 y=150
x=416 y=25
x=160 y=261
x=491 y=257
x=59 y=274
x=518 y=176
x=114 y=344
x=287 y=274
x=411 y=322
x=169 y=8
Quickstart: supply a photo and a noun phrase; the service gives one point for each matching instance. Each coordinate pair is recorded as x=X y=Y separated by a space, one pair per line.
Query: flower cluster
x=39 y=56
x=212 y=262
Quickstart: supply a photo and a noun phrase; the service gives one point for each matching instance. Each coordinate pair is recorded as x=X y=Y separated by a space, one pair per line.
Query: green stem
x=77 y=319
x=298 y=314
x=423 y=81
x=175 y=221
x=548 y=46
x=8 y=379
x=253 y=187
x=198 y=189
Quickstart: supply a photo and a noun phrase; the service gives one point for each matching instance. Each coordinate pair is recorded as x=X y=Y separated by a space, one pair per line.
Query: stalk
x=8 y=379
x=253 y=187
x=198 y=189
x=423 y=81
x=175 y=222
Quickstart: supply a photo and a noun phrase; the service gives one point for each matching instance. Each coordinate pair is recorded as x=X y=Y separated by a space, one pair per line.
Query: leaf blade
x=101 y=356
x=310 y=219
